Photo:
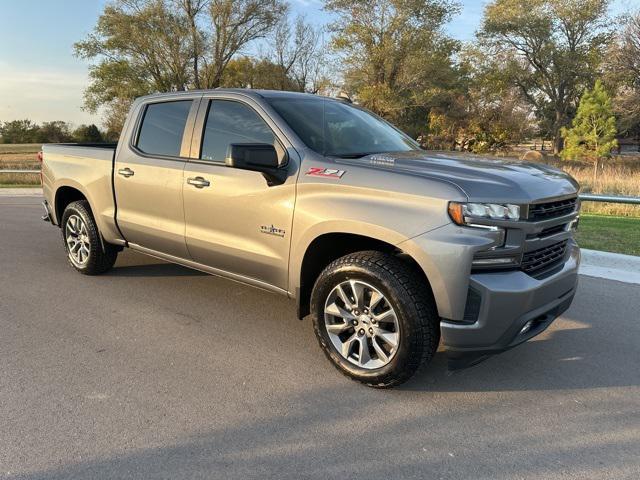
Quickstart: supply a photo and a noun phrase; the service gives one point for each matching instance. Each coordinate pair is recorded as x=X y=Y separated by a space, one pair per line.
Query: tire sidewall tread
x=100 y=259
x=410 y=297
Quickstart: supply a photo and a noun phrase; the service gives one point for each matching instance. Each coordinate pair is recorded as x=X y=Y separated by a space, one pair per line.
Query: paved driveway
x=156 y=371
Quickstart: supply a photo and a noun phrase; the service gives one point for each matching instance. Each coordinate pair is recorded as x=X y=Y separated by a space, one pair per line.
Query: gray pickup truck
x=388 y=247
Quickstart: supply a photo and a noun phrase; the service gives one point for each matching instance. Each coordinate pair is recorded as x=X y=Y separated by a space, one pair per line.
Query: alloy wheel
x=77 y=239
x=362 y=325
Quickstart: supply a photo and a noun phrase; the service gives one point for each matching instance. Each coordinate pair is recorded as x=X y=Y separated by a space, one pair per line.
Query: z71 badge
x=325 y=172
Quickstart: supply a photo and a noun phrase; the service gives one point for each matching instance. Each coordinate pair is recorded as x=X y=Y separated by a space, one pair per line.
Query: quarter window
x=162 y=128
x=232 y=122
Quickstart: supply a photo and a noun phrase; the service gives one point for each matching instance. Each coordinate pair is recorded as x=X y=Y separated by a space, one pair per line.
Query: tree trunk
x=595 y=173
x=196 y=74
x=558 y=141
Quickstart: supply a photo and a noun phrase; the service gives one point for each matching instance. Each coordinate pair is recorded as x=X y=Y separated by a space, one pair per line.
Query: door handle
x=198 y=182
x=126 y=172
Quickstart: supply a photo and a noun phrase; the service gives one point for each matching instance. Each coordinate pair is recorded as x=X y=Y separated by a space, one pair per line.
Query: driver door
x=235 y=221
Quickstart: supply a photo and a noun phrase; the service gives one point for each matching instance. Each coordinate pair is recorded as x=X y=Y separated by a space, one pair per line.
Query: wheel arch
x=63 y=197
x=327 y=247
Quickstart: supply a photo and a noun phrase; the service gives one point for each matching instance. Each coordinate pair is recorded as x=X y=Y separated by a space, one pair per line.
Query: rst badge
x=271 y=230
x=325 y=172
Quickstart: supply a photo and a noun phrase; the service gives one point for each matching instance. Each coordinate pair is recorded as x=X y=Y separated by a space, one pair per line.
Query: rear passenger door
x=148 y=176
x=235 y=221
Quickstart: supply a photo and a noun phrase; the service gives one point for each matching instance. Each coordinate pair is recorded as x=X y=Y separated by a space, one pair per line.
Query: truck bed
x=88 y=168
x=102 y=151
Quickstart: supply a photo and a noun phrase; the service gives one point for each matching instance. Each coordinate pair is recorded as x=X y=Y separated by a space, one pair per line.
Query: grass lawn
x=609 y=234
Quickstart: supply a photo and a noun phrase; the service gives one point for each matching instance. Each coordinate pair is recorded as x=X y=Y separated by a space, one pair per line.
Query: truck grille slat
x=543 y=258
x=544 y=211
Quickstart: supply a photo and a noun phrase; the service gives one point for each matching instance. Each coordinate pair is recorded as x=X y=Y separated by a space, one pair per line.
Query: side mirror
x=257 y=157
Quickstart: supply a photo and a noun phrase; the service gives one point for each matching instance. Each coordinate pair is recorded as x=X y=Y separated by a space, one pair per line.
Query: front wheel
x=85 y=250
x=374 y=318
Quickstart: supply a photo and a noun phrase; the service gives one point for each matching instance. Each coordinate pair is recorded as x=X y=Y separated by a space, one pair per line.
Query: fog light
x=526 y=328
x=499 y=261
x=573 y=226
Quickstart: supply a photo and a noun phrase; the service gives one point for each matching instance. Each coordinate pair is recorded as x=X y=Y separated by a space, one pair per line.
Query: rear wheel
x=83 y=243
x=375 y=318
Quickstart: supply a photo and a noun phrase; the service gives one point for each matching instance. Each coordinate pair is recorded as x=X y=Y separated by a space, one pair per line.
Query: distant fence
x=587 y=197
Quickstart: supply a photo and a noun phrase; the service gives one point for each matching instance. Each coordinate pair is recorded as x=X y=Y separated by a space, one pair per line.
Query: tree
x=141 y=46
x=54 y=132
x=549 y=49
x=247 y=72
x=397 y=60
x=193 y=10
x=298 y=49
x=19 y=131
x=623 y=76
x=145 y=46
x=236 y=23
x=88 y=134
x=593 y=132
x=484 y=113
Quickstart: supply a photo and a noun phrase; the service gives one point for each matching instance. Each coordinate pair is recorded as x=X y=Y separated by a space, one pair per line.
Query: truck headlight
x=465 y=213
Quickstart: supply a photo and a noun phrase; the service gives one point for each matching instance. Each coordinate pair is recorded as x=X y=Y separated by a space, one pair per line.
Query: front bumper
x=509 y=301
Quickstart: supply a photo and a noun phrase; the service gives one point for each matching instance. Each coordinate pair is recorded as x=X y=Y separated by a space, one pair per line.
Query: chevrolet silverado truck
x=388 y=247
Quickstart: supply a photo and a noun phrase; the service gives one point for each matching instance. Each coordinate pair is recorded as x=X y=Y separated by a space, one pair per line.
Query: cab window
x=230 y=122
x=162 y=128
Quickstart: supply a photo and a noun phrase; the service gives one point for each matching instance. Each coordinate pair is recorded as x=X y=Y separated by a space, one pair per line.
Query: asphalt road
x=156 y=371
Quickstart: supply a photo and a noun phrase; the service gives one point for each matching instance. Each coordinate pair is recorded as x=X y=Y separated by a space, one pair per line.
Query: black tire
x=102 y=255
x=406 y=293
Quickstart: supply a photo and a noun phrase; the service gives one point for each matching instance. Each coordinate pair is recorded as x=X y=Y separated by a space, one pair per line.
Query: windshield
x=338 y=129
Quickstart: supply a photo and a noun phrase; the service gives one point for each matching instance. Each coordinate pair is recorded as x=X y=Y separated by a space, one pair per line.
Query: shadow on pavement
x=154 y=270
x=134 y=264
x=312 y=442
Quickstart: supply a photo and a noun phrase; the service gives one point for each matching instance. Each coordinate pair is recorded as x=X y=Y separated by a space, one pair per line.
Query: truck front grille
x=545 y=211
x=537 y=261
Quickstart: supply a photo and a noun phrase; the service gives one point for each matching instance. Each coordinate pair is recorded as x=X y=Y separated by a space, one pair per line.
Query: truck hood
x=481 y=179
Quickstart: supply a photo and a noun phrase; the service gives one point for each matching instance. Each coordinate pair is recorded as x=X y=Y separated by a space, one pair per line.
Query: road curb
x=611 y=266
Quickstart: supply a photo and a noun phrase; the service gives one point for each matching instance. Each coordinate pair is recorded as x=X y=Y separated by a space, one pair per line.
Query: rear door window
x=232 y=122
x=163 y=127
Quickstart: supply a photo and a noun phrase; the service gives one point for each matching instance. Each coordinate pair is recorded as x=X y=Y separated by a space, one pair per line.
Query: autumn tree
x=260 y=73
x=484 y=113
x=298 y=49
x=57 y=131
x=234 y=24
x=193 y=10
x=623 y=76
x=145 y=46
x=19 y=131
x=397 y=59
x=87 y=134
x=549 y=49
x=592 y=135
x=139 y=47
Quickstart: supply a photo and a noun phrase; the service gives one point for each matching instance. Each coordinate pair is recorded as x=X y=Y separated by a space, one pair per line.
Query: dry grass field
x=612 y=180
x=19 y=156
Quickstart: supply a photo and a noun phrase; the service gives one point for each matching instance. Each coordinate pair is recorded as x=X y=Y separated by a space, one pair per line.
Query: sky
x=40 y=79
